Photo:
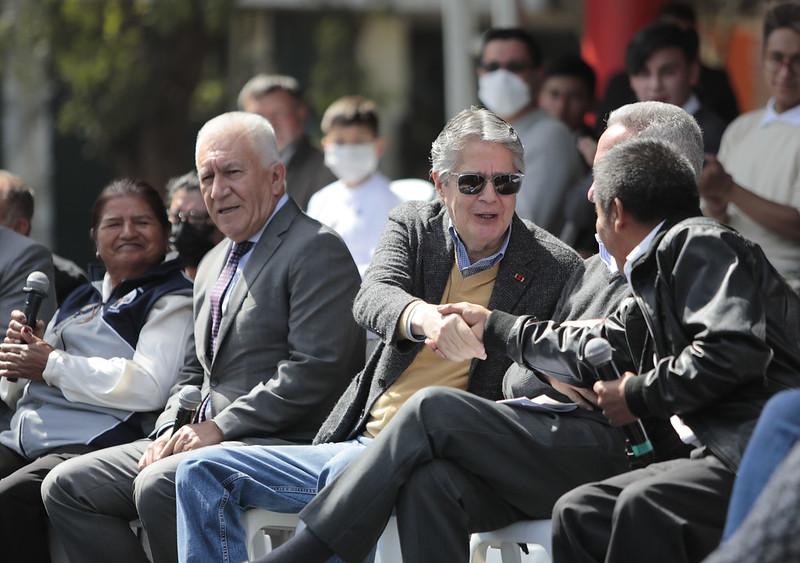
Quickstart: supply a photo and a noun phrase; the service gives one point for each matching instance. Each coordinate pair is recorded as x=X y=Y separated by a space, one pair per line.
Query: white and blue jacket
x=118 y=353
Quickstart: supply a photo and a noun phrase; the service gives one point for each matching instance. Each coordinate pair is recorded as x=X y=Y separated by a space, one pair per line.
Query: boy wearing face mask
x=356 y=205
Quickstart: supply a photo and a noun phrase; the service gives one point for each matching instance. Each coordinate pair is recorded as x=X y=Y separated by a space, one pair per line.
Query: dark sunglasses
x=510 y=66
x=473 y=184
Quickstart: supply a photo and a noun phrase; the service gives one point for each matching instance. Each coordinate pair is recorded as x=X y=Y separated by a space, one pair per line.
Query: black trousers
x=23 y=520
x=670 y=511
x=453 y=463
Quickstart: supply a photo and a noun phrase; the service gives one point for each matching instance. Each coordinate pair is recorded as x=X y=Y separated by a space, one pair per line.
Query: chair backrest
x=410 y=189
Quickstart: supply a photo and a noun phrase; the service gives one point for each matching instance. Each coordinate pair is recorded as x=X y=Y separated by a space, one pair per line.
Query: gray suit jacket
x=19 y=256
x=288 y=344
x=412 y=261
x=306 y=173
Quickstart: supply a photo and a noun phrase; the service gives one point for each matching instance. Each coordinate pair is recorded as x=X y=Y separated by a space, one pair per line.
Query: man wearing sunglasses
x=453 y=464
x=509 y=77
x=467 y=245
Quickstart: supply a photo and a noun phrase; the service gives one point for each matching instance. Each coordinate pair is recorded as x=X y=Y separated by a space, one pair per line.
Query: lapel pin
x=519 y=277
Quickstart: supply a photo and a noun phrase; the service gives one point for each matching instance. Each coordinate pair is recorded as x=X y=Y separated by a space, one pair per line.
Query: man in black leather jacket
x=713 y=330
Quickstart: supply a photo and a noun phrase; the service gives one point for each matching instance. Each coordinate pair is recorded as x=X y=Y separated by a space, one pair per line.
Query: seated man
x=755 y=185
x=662 y=64
x=468 y=245
x=509 y=76
x=518 y=441
x=727 y=340
x=567 y=93
x=193 y=233
x=275 y=346
x=280 y=100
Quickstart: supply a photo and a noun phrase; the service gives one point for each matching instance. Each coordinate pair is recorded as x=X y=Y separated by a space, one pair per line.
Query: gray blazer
x=412 y=261
x=19 y=256
x=288 y=345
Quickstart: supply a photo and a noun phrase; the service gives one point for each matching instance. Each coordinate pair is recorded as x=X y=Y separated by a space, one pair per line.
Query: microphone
x=188 y=400
x=598 y=352
x=36 y=287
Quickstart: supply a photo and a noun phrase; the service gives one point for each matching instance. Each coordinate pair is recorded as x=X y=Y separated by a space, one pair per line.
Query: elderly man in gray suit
x=469 y=245
x=275 y=343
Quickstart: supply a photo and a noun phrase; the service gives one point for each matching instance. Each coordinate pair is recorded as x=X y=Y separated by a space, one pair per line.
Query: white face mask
x=351 y=163
x=503 y=92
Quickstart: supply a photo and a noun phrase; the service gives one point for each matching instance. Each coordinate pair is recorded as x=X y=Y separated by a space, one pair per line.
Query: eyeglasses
x=473 y=184
x=511 y=66
x=195 y=217
x=774 y=62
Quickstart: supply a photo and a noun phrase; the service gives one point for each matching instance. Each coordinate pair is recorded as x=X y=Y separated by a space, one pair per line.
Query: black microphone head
x=38 y=282
x=189 y=398
x=597 y=351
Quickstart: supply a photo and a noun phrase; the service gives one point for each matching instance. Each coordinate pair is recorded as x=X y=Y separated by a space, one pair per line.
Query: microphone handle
x=33 y=300
x=181 y=418
x=637 y=444
x=32 y=303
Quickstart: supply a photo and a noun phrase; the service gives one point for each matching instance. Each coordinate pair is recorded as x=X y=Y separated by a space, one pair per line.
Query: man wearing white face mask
x=357 y=205
x=509 y=77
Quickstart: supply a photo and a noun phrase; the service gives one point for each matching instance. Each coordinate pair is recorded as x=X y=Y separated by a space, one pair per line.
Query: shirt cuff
x=164 y=427
x=51 y=373
x=405 y=322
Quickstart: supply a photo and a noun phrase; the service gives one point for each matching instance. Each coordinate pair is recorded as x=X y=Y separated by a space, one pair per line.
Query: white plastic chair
x=258 y=523
x=507 y=540
x=409 y=189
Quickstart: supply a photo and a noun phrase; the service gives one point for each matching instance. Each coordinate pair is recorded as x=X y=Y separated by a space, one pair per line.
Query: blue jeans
x=215 y=486
x=777 y=431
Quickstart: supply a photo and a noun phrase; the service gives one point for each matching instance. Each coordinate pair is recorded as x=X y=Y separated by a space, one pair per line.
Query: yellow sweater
x=427 y=368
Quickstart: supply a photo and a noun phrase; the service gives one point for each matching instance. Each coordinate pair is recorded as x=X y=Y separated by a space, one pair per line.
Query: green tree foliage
x=130 y=73
x=335 y=72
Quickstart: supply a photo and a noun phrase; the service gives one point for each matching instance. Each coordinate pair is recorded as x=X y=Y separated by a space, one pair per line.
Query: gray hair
x=263 y=84
x=668 y=122
x=651 y=178
x=474 y=124
x=257 y=130
x=189 y=182
x=16 y=198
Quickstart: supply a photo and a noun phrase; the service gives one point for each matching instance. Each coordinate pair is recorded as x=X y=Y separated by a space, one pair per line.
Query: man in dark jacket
x=712 y=330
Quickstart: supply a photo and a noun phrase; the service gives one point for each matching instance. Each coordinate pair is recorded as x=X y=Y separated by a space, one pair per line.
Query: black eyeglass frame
x=499 y=183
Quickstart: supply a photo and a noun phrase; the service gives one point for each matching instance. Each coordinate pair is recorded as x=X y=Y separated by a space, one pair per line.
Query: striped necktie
x=222 y=286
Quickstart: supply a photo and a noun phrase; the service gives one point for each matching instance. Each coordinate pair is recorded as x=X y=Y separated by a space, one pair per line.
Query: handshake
x=454 y=331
